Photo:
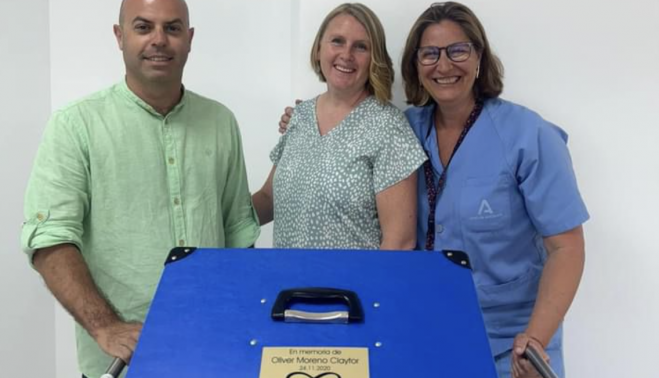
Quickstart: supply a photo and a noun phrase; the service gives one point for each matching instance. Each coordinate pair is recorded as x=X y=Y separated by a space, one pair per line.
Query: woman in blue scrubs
x=498 y=185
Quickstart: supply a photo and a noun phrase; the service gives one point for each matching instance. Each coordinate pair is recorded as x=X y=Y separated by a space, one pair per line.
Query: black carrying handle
x=539 y=363
x=318 y=295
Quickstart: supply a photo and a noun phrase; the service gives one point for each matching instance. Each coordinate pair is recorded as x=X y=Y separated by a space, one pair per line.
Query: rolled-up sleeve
x=57 y=196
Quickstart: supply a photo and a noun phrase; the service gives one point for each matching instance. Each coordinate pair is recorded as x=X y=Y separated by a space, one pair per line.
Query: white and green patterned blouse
x=325 y=186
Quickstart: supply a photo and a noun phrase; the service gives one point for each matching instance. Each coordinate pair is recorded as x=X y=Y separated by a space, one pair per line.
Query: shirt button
x=439 y=228
x=177 y=201
x=171 y=160
x=40 y=217
x=181 y=243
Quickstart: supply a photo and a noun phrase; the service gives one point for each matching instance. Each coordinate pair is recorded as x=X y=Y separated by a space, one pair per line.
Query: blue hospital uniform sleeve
x=547 y=181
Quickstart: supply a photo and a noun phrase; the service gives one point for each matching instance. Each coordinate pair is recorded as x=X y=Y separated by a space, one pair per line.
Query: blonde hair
x=380 y=71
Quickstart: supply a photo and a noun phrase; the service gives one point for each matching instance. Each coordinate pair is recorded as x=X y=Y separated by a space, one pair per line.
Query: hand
x=286 y=117
x=119 y=339
x=521 y=366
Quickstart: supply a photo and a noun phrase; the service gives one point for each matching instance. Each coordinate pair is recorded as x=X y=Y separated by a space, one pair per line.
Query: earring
x=478 y=70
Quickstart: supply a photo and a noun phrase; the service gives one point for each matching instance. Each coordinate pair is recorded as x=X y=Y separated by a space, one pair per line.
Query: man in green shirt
x=124 y=175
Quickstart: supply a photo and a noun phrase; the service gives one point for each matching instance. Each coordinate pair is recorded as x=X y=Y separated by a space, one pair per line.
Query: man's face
x=155 y=39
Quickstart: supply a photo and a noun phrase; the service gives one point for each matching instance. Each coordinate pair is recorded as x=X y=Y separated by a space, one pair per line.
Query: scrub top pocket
x=485 y=203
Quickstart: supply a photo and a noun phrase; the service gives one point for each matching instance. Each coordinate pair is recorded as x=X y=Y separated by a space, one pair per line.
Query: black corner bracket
x=179 y=253
x=458 y=258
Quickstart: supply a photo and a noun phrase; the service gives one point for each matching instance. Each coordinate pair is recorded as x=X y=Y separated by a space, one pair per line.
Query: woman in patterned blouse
x=344 y=174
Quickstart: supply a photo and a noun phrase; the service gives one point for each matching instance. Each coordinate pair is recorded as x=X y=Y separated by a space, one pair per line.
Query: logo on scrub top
x=485 y=208
x=485 y=211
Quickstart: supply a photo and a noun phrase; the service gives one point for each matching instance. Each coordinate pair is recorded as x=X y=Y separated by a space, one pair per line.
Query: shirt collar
x=130 y=95
x=428 y=130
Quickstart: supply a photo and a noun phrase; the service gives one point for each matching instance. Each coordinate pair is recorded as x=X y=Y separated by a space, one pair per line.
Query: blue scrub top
x=510 y=184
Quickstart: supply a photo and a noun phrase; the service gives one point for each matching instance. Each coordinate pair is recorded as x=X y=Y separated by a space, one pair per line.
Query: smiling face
x=448 y=83
x=345 y=54
x=155 y=39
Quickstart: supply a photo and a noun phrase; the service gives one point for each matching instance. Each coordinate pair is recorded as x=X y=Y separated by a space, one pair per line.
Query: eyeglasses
x=456 y=52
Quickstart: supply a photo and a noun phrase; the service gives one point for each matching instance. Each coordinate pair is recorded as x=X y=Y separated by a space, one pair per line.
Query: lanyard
x=433 y=191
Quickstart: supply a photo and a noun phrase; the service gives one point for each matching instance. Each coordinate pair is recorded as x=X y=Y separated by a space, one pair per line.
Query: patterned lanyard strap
x=435 y=191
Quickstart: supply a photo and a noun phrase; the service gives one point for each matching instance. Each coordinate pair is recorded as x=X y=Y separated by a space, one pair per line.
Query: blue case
x=212 y=313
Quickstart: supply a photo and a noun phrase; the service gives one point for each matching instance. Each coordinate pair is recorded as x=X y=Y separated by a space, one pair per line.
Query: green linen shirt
x=126 y=184
x=325 y=186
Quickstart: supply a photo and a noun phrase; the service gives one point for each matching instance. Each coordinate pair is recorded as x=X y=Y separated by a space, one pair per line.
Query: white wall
x=27 y=331
x=589 y=67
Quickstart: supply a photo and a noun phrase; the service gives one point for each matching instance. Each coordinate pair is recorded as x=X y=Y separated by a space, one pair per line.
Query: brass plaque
x=316 y=362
